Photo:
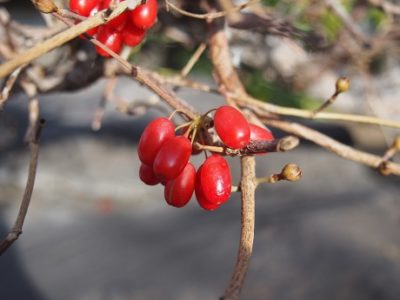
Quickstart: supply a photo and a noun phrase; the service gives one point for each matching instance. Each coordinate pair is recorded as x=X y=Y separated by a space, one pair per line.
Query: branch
x=100 y=18
x=245 y=100
x=334 y=146
x=248 y=187
x=16 y=230
x=8 y=85
x=209 y=16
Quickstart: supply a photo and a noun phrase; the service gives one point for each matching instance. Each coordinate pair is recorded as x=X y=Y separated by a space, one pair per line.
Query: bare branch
x=100 y=18
x=16 y=230
x=8 y=85
x=334 y=146
x=247 y=187
x=246 y=100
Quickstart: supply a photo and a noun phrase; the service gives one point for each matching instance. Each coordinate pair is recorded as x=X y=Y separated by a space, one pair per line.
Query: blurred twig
x=16 y=231
x=211 y=15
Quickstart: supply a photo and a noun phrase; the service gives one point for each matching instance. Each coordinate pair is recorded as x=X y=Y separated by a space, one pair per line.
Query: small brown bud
x=291 y=172
x=45 y=6
x=342 y=85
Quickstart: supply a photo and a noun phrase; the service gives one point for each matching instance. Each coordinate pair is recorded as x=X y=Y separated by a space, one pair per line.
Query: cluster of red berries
x=165 y=158
x=129 y=28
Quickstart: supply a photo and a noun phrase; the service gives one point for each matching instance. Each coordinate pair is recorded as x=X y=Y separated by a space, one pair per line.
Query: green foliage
x=376 y=18
x=270 y=2
x=276 y=92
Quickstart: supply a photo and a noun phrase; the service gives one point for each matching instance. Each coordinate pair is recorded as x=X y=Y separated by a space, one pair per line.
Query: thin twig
x=16 y=230
x=334 y=146
x=193 y=60
x=245 y=100
x=8 y=85
x=351 y=26
x=208 y=16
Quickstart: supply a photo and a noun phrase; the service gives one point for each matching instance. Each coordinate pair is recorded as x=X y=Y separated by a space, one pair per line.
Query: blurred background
x=95 y=232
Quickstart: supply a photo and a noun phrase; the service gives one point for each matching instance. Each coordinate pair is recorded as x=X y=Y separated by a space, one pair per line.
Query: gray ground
x=94 y=231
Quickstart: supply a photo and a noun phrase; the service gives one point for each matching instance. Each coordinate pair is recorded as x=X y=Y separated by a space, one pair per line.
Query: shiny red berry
x=132 y=35
x=147 y=175
x=110 y=38
x=94 y=11
x=119 y=22
x=201 y=198
x=178 y=191
x=213 y=182
x=144 y=15
x=82 y=7
x=172 y=157
x=258 y=133
x=154 y=135
x=232 y=127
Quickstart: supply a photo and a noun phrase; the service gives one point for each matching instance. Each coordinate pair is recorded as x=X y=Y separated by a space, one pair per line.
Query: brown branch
x=141 y=76
x=247 y=187
x=229 y=83
x=254 y=147
x=334 y=146
x=208 y=16
x=8 y=85
x=16 y=230
x=247 y=101
x=100 y=18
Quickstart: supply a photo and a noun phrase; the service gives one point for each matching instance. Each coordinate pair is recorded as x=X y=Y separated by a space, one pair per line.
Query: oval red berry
x=201 y=198
x=213 y=182
x=119 y=22
x=132 y=35
x=178 y=191
x=258 y=133
x=154 y=135
x=110 y=38
x=232 y=127
x=94 y=11
x=147 y=175
x=82 y=7
x=144 y=15
x=172 y=157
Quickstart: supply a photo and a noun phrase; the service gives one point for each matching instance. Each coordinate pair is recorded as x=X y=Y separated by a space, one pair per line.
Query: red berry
x=154 y=135
x=258 y=133
x=178 y=191
x=94 y=11
x=110 y=38
x=82 y=7
x=147 y=175
x=119 y=22
x=232 y=127
x=172 y=157
x=144 y=15
x=201 y=198
x=132 y=35
x=213 y=182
